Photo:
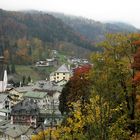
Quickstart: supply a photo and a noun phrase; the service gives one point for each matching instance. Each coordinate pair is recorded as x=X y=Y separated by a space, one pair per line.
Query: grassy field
x=23 y=70
x=36 y=73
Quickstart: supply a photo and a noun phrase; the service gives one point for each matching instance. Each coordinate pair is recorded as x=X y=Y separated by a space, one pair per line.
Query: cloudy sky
x=101 y=10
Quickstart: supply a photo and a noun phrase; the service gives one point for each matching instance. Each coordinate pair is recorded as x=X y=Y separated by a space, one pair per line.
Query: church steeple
x=3 y=75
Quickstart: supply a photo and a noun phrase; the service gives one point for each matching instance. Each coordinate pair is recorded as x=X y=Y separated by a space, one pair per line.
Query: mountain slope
x=16 y=25
x=93 y=30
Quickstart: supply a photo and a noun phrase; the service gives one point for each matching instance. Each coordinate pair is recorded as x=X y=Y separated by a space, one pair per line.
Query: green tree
x=108 y=114
x=29 y=79
x=112 y=76
x=13 y=69
x=8 y=69
x=24 y=80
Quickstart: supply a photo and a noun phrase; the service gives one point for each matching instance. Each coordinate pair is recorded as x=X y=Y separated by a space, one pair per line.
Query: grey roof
x=52 y=74
x=3 y=123
x=36 y=95
x=3 y=96
x=48 y=86
x=63 y=68
x=25 y=107
x=13 y=131
x=24 y=89
x=5 y=110
x=42 y=86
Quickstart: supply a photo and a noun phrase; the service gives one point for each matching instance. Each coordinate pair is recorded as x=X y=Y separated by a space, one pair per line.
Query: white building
x=3 y=75
x=62 y=73
x=5 y=105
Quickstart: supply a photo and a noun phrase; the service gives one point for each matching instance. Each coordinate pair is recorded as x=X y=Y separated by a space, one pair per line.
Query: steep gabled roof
x=62 y=69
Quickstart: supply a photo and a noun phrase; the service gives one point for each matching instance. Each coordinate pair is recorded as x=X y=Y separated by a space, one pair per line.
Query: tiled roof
x=15 y=131
x=3 y=96
x=25 y=107
x=63 y=68
x=38 y=95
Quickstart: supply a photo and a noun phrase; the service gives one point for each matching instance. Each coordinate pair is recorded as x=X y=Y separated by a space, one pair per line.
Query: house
x=61 y=73
x=54 y=53
x=47 y=62
x=3 y=75
x=53 y=119
x=85 y=61
x=14 y=132
x=52 y=62
x=46 y=86
x=41 y=63
x=40 y=98
x=61 y=82
x=25 y=113
x=5 y=106
x=15 y=96
x=44 y=99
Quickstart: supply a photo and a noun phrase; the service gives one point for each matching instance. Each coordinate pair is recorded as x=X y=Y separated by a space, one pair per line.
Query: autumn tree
x=77 y=88
x=113 y=68
x=107 y=115
x=135 y=84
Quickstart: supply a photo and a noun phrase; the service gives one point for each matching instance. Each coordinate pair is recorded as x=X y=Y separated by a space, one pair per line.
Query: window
x=57 y=77
x=33 y=117
x=63 y=73
x=57 y=73
x=63 y=77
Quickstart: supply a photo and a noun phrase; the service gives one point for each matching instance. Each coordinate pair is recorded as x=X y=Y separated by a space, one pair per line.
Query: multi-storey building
x=62 y=73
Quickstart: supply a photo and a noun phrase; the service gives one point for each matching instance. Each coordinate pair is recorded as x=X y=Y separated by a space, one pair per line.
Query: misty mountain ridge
x=63 y=32
x=95 y=30
x=36 y=24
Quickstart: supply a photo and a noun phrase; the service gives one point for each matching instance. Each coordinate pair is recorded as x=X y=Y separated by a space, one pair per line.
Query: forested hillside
x=93 y=30
x=27 y=36
x=30 y=34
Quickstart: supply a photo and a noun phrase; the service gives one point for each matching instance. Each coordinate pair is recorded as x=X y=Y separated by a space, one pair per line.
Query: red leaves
x=82 y=69
x=137 y=43
x=136 y=63
x=136 y=79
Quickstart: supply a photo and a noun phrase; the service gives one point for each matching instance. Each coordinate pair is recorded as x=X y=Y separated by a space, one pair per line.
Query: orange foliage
x=136 y=63
x=82 y=70
x=136 y=42
x=136 y=79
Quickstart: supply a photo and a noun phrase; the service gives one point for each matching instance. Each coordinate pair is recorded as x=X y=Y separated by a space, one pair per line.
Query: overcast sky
x=101 y=10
